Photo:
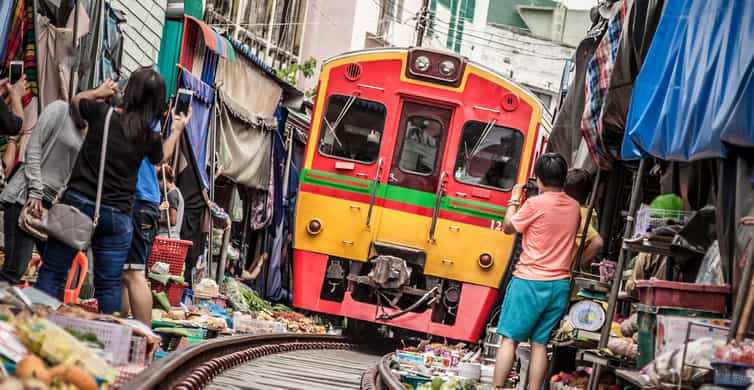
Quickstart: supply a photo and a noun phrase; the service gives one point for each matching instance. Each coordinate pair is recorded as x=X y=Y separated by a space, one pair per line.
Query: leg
x=506 y=355
x=518 y=317
x=125 y=305
x=18 y=244
x=110 y=246
x=138 y=295
x=556 y=295
x=56 y=264
x=145 y=218
x=537 y=365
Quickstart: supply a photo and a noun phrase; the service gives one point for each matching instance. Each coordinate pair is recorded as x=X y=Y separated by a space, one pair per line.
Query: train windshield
x=352 y=128
x=488 y=155
x=421 y=142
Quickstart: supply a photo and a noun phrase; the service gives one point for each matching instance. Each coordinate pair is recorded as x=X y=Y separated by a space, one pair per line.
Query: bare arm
x=513 y=206
x=591 y=251
x=179 y=123
x=105 y=90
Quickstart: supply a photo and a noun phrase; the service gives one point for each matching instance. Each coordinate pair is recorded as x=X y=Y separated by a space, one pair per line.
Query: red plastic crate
x=694 y=296
x=170 y=251
x=174 y=291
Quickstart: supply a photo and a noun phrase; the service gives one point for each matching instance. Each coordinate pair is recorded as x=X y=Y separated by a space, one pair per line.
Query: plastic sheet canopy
x=694 y=95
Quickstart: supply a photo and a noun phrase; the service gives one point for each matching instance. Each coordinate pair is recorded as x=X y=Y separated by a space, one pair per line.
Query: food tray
x=244 y=325
x=115 y=337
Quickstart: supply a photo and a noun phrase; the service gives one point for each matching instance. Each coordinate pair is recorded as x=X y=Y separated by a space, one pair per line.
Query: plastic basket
x=732 y=375
x=694 y=296
x=170 y=251
x=648 y=218
x=173 y=290
x=138 y=353
x=115 y=337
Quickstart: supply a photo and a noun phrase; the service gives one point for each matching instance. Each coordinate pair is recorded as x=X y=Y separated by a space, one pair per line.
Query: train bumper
x=473 y=309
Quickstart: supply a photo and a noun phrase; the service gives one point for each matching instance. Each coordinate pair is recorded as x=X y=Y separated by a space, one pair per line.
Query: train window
x=422 y=139
x=488 y=155
x=352 y=128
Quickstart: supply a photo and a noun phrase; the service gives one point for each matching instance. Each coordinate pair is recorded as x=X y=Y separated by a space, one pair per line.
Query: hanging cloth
x=597 y=77
x=198 y=128
x=637 y=35
x=694 y=93
x=56 y=55
x=6 y=12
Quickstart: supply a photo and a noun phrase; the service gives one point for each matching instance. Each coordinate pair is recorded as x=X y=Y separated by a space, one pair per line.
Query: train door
x=414 y=174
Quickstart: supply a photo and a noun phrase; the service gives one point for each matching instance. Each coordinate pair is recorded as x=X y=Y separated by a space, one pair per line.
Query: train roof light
x=422 y=63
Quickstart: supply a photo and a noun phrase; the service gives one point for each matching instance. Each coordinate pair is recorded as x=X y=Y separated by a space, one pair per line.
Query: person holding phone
x=12 y=117
x=50 y=154
x=131 y=138
x=145 y=216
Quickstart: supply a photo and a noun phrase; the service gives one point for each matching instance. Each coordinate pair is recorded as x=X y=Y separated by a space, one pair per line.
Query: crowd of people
x=129 y=193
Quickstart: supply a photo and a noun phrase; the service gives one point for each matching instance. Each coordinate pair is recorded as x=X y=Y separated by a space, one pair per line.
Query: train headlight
x=485 y=260
x=314 y=227
x=422 y=63
x=447 y=68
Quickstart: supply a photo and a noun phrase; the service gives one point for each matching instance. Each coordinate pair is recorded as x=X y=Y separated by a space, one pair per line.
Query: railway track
x=280 y=361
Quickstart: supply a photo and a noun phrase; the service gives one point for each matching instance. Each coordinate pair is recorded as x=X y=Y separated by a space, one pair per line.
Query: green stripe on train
x=402 y=194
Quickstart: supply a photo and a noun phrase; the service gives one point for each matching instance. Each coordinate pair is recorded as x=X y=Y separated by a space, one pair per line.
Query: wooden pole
x=421 y=23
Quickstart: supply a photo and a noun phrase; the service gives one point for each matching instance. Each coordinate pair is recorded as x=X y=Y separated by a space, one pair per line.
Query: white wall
x=144 y=22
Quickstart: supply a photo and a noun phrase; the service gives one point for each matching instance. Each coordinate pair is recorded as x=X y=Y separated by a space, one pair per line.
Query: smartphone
x=16 y=71
x=183 y=101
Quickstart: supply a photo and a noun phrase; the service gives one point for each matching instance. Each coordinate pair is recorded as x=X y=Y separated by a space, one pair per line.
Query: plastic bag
x=666 y=368
x=711 y=269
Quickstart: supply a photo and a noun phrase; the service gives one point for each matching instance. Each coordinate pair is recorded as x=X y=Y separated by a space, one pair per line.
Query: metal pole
x=624 y=253
x=35 y=10
x=421 y=24
x=74 y=65
x=269 y=30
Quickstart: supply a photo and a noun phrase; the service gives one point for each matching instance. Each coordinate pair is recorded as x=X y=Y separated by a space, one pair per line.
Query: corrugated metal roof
x=144 y=23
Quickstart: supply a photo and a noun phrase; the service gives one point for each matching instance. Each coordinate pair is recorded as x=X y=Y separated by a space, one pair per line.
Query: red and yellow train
x=411 y=157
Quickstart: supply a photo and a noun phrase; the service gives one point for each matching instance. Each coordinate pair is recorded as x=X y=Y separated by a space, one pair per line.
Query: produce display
x=435 y=366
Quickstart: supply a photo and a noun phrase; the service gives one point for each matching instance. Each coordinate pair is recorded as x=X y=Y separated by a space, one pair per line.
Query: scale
x=587 y=315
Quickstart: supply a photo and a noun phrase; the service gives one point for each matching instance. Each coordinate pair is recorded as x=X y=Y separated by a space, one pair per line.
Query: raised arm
x=513 y=205
x=105 y=90
x=178 y=124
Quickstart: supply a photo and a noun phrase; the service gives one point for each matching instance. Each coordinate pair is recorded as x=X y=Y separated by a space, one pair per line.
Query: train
x=411 y=157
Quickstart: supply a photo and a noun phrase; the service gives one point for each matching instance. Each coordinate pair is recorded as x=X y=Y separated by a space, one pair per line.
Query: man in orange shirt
x=538 y=294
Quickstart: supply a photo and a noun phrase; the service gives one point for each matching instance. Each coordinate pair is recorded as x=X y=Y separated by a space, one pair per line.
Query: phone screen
x=182 y=103
x=16 y=71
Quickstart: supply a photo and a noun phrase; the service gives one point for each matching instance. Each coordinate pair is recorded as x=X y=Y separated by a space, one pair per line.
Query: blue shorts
x=532 y=309
x=145 y=217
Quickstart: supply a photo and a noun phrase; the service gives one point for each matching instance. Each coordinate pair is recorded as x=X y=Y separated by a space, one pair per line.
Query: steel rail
x=195 y=366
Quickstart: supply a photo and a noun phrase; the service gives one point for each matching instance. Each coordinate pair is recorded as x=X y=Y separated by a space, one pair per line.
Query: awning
x=212 y=39
x=198 y=127
x=694 y=93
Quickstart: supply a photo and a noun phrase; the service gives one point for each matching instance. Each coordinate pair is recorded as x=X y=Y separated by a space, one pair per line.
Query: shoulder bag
x=70 y=225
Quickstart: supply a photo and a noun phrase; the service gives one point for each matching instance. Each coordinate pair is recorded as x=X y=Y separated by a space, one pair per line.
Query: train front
x=410 y=161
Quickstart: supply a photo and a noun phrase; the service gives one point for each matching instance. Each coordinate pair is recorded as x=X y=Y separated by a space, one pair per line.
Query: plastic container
x=732 y=375
x=116 y=338
x=170 y=251
x=647 y=323
x=647 y=219
x=683 y=295
x=243 y=324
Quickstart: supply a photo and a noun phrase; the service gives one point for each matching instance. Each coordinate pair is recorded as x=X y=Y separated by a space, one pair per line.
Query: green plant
x=290 y=72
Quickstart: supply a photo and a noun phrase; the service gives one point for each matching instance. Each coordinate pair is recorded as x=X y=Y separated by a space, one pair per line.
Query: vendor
x=578 y=186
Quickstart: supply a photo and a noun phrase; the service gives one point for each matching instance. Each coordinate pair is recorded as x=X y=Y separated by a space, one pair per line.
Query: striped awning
x=212 y=39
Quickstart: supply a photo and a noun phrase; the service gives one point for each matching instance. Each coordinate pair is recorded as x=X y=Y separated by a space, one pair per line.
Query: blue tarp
x=198 y=127
x=695 y=91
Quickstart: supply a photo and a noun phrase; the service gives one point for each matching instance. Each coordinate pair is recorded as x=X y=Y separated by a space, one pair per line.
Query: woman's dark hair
x=551 y=169
x=143 y=102
x=578 y=185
